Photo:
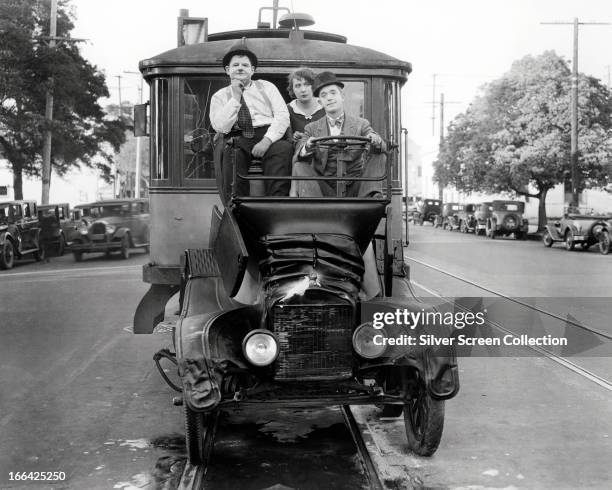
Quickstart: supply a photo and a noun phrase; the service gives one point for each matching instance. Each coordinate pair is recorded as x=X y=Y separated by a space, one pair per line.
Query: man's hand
x=309 y=145
x=260 y=149
x=374 y=139
x=237 y=89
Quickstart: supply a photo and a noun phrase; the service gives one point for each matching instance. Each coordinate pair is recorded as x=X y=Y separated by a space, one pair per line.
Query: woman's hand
x=297 y=136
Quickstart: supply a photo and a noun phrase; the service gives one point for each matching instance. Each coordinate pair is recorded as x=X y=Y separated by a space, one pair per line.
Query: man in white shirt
x=322 y=162
x=256 y=116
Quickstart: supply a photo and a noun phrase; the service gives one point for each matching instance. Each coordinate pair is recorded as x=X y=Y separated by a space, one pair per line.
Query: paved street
x=80 y=394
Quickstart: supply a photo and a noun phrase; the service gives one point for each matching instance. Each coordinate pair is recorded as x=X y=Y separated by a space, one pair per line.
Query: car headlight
x=369 y=342
x=597 y=229
x=110 y=229
x=260 y=347
x=83 y=231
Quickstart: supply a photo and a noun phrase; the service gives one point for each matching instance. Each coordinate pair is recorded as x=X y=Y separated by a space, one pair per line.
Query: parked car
x=428 y=210
x=450 y=215
x=506 y=218
x=467 y=219
x=482 y=213
x=576 y=229
x=116 y=226
x=19 y=232
x=58 y=224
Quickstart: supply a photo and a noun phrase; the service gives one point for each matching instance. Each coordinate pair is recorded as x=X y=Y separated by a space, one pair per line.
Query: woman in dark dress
x=304 y=108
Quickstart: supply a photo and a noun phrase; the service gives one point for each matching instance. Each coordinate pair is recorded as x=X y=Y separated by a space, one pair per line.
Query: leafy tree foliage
x=82 y=133
x=515 y=137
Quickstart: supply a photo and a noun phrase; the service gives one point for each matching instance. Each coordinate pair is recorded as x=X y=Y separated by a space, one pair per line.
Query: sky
x=465 y=43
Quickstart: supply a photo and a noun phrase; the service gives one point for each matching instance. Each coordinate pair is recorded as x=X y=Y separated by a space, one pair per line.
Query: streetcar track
x=514 y=300
x=77 y=272
x=562 y=361
x=193 y=476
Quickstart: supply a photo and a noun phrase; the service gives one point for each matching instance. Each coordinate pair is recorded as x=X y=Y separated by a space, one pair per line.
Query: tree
x=515 y=137
x=82 y=133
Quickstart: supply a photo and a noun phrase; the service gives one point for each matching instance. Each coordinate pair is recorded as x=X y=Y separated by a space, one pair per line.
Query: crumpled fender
x=208 y=338
x=438 y=364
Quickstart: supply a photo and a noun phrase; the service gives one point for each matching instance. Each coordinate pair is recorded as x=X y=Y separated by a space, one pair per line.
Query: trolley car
x=278 y=294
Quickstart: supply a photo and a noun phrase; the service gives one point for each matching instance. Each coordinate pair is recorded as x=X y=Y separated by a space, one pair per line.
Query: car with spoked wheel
x=19 y=233
x=116 y=225
x=582 y=230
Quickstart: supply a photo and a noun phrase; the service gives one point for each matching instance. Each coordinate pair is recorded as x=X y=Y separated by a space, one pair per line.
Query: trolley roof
x=275 y=48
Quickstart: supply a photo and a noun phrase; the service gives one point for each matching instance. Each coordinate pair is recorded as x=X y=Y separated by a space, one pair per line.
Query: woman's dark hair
x=302 y=72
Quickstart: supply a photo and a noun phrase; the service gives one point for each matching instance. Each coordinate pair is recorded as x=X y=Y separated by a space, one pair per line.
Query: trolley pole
x=574 y=107
x=46 y=153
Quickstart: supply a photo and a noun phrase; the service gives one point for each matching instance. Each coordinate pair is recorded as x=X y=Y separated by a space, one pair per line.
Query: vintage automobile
x=506 y=219
x=482 y=213
x=450 y=215
x=467 y=219
x=428 y=210
x=113 y=226
x=19 y=232
x=59 y=225
x=577 y=229
x=279 y=295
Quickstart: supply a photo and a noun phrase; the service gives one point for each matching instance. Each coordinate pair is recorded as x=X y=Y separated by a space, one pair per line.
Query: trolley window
x=354 y=98
x=391 y=130
x=198 y=134
x=160 y=136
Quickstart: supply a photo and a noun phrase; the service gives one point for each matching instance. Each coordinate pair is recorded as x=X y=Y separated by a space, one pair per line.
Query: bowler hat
x=323 y=79
x=240 y=49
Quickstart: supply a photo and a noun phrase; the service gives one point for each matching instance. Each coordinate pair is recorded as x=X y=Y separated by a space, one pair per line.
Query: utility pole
x=119 y=77
x=574 y=107
x=138 y=138
x=46 y=153
x=433 y=106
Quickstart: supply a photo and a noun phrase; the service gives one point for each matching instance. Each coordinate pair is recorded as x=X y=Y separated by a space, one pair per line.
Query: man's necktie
x=245 y=123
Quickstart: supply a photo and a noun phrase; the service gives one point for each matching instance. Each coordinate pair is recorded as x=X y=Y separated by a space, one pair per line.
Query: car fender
x=437 y=365
x=6 y=235
x=553 y=231
x=120 y=233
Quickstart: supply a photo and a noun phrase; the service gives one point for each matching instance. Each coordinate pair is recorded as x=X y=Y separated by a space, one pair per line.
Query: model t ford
x=282 y=297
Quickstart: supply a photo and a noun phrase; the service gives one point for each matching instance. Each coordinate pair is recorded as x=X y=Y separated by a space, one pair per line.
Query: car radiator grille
x=98 y=228
x=315 y=341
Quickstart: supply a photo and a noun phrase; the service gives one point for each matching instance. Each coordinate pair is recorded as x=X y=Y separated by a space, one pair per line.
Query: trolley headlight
x=369 y=342
x=260 y=347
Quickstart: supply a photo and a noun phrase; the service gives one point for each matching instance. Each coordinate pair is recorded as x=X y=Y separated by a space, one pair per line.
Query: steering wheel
x=342 y=142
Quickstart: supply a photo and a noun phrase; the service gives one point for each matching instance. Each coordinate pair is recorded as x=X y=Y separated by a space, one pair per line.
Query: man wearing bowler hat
x=311 y=161
x=254 y=113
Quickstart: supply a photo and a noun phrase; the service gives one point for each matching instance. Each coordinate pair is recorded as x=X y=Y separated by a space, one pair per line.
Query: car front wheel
x=570 y=244
x=125 y=247
x=604 y=242
x=424 y=422
x=7 y=255
x=547 y=239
